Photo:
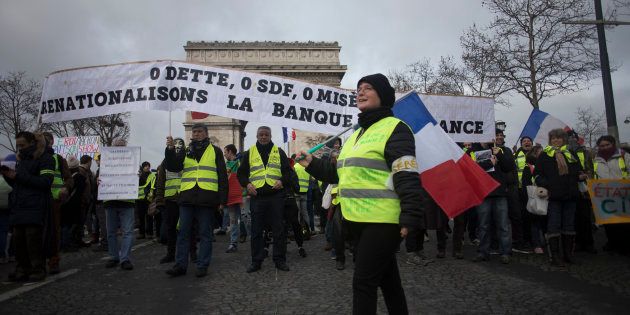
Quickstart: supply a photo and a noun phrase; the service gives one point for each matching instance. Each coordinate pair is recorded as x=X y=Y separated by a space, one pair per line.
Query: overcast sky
x=39 y=37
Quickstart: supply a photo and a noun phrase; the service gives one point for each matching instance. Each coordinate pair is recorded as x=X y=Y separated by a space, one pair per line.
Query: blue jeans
x=561 y=217
x=122 y=218
x=494 y=208
x=225 y=222
x=234 y=212
x=204 y=216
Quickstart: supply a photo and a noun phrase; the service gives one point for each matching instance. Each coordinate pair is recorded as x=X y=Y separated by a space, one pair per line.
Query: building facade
x=316 y=62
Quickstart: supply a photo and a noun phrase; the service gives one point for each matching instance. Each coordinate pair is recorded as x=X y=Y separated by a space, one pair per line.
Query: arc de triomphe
x=316 y=62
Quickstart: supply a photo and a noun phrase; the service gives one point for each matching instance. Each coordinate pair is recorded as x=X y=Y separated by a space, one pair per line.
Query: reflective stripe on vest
x=141 y=189
x=363 y=173
x=622 y=167
x=202 y=173
x=520 y=165
x=303 y=177
x=57 y=183
x=258 y=173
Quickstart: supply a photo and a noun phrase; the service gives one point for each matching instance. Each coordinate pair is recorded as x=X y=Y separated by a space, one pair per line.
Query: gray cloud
x=44 y=36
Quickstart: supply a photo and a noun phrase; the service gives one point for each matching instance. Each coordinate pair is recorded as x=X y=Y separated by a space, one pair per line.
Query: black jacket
x=560 y=188
x=502 y=170
x=31 y=199
x=264 y=150
x=197 y=196
x=406 y=184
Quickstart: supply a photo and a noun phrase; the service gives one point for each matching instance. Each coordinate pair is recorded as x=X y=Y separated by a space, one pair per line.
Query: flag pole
x=169 y=120
x=321 y=145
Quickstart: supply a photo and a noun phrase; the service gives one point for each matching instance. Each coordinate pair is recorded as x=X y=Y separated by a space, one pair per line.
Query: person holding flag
x=382 y=150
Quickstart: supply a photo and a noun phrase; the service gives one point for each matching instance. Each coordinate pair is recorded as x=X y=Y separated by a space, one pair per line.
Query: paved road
x=601 y=284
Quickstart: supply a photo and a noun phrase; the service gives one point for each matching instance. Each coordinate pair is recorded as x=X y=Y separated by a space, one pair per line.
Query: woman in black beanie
x=378 y=214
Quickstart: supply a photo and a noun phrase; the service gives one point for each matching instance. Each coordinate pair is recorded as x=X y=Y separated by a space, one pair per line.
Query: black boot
x=554 y=251
x=567 y=248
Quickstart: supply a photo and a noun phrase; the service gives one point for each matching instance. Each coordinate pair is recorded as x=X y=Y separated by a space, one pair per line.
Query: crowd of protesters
x=48 y=203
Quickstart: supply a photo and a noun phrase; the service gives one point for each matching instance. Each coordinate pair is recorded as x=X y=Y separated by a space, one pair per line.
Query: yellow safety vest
x=259 y=174
x=202 y=173
x=335 y=191
x=622 y=167
x=303 y=177
x=581 y=158
x=141 y=189
x=473 y=156
x=172 y=183
x=520 y=165
x=57 y=183
x=363 y=173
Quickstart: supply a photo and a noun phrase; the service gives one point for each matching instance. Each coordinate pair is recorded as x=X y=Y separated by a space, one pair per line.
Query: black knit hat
x=384 y=90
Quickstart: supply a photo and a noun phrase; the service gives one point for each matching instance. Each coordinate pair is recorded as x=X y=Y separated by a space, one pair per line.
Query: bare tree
x=421 y=76
x=481 y=72
x=110 y=127
x=590 y=125
x=450 y=78
x=19 y=99
x=534 y=51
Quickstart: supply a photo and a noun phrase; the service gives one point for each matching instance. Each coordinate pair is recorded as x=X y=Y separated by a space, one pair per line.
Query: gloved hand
x=542 y=192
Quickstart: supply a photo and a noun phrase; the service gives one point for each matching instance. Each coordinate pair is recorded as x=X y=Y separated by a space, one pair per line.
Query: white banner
x=175 y=85
x=463 y=118
x=77 y=146
x=118 y=175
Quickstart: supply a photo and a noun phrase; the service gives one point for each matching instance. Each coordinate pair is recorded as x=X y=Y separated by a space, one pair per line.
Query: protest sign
x=175 y=85
x=610 y=199
x=77 y=146
x=118 y=175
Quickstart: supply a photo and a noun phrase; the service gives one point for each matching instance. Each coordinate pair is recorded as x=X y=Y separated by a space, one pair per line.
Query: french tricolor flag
x=450 y=176
x=288 y=134
x=539 y=124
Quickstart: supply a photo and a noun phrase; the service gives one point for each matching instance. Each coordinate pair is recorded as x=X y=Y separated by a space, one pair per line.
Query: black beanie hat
x=384 y=90
x=526 y=137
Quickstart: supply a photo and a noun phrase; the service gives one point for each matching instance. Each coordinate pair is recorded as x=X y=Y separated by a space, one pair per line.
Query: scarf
x=196 y=148
x=370 y=116
x=562 y=156
x=607 y=154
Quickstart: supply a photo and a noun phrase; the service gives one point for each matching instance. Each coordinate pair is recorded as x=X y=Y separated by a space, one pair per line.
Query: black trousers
x=171 y=216
x=291 y=219
x=268 y=210
x=376 y=266
x=459 y=227
x=145 y=221
x=29 y=252
x=339 y=235
x=515 y=215
x=583 y=223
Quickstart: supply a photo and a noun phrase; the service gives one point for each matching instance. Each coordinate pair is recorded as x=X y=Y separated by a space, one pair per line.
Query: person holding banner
x=265 y=171
x=204 y=186
x=612 y=163
x=378 y=213
x=556 y=174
